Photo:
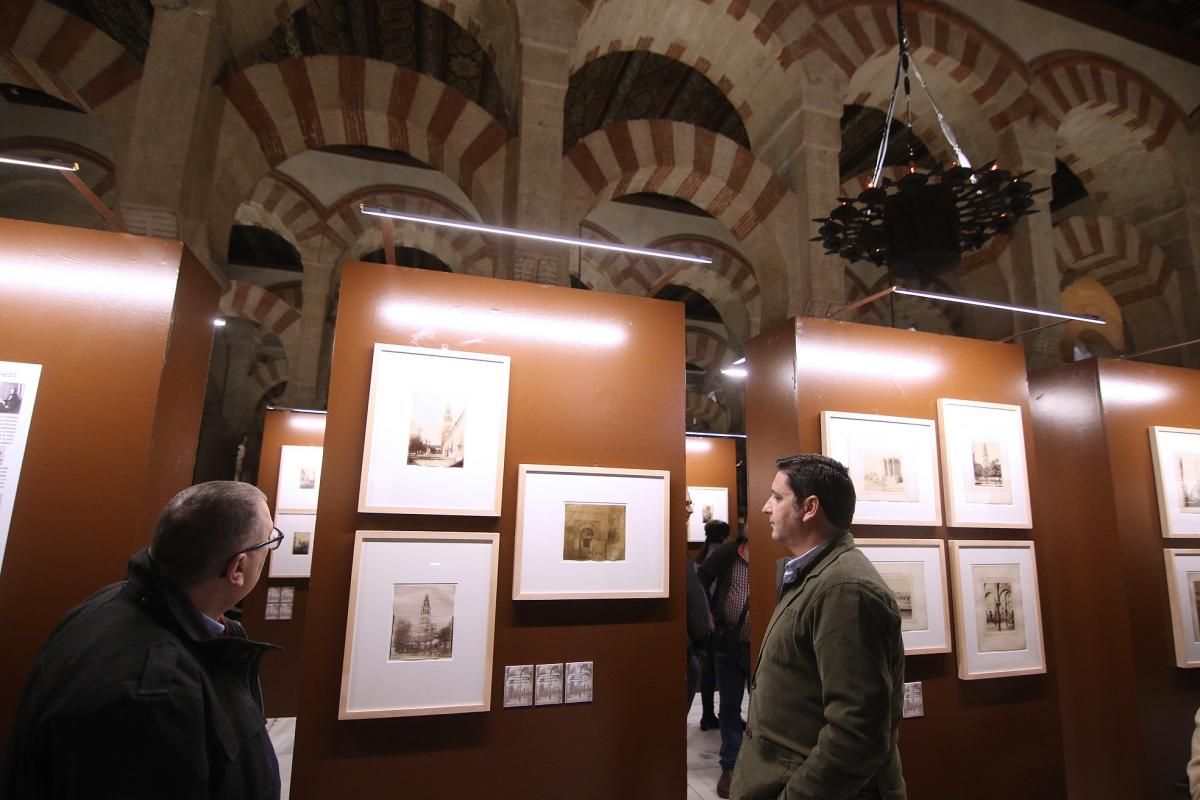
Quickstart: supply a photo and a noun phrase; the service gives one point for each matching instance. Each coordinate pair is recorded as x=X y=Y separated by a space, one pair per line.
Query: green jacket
x=828 y=691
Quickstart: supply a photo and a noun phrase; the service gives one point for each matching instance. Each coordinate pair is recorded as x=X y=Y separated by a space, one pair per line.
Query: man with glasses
x=147 y=690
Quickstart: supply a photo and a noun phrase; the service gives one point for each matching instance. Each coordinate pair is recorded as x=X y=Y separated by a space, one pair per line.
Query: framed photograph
x=299 y=479
x=915 y=571
x=436 y=423
x=548 y=685
x=590 y=533
x=983 y=460
x=518 y=686
x=996 y=609
x=293 y=558
x=578 y=687
x=892 y=462
x=708 y=503
x=1183 y=586
x=1176 y=454
x=420 y=625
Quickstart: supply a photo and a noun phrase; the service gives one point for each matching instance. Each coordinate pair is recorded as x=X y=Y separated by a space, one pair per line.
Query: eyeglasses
x=273 y=543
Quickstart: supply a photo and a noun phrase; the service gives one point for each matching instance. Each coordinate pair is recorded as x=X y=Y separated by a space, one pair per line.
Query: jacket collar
x=832 y=550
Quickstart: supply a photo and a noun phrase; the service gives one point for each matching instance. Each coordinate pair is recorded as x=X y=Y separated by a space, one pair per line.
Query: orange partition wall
x=805 y=366
x=281 y=669
x=712 y=461
x=122 y=326
x=1126 y=708
x=594 y=381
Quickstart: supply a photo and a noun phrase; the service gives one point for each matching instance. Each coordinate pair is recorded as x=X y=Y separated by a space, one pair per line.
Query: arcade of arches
x=252 y=130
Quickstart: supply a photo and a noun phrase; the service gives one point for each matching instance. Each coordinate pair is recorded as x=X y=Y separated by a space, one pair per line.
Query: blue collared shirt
x=215 y=627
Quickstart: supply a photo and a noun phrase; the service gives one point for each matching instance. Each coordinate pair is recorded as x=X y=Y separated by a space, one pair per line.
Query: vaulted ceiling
x=126 y=21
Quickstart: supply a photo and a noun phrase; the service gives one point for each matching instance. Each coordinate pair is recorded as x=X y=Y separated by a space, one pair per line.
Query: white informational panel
x=892 y=462
x=983 y=461
x=293 y=557
x=420 y=625
x=299 y=479
x=708 y=503
x=590 y=533
x=18 y=390
x=436 y=422
x=1176 y=454
x=915 y=571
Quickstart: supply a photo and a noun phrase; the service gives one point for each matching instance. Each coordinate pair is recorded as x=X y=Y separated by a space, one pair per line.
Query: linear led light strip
x=378 y=211
x=44 y=163
x=950 y=298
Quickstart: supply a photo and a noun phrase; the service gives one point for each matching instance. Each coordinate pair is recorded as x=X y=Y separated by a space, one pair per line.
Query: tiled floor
x=702 y=747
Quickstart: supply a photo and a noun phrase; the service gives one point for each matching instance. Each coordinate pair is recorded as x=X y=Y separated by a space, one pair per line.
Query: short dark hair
x=201 y=528
x=716 y=531
x=810 y=474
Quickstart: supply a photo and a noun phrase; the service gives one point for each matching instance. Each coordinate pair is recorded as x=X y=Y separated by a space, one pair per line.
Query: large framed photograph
x=293 y=557
x=708 y=503
x=997 y=615
x=915 y=571
x=983 y=460
x=1183 y=586
x=420 y=625
x=591 y=533
x=892 y=462
x=1176 y=454
x=436 y=424
x=299 y=479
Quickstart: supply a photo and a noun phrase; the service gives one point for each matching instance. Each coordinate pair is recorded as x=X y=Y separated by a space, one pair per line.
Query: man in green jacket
x=828 y=691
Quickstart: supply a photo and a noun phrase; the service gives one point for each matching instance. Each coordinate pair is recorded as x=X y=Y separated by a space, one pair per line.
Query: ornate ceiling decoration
x=406 y=33
x=126 y=21
x=643 y=85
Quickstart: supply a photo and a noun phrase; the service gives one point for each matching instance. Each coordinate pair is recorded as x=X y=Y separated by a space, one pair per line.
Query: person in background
x=146 y=690
x=1193 y=767
x=726 y=575
x=715 y=534
x=829 y=683
x=699 y=623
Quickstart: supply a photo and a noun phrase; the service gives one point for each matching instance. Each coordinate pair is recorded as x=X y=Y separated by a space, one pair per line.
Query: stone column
x=163 y=174
x=305 y=360
x=535 y=164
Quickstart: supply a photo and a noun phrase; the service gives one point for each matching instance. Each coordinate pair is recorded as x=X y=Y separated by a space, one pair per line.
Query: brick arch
x=267 y=310
x=714 y=415
x=267 y=375
x=930 y=316
x=850 y=33
x=1068 y=81
x=698 y=33
x=69 y=151
x=353 y=234
x=705 y=348
x=693 y=164
x=281 y=205
x=1126 y=262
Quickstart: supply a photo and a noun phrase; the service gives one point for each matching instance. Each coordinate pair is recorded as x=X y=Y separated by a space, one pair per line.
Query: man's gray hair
x=202 y=527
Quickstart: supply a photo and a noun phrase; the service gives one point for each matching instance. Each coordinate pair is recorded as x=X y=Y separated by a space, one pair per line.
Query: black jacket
x=718 y=569
x=133 y=698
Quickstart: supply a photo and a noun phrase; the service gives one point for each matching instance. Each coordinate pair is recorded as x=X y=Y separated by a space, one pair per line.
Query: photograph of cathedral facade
x=253 y=130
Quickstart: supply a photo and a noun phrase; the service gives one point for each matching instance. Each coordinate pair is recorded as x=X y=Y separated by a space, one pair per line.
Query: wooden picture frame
x=1176 y=454
x=915 y=571
x=997 y=614
x=893 y=465
x=715 y=496
x=1183 y=589
x=436 y=426
x=588 y=533
x=299 y=482
x=983 y=465
x=399 y=660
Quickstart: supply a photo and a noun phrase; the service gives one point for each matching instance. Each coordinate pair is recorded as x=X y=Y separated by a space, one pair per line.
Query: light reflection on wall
x=87 y=281
x=309 y=422
x=692 y=445
x=482 y=322
x=1133 y=391
x=865 y=363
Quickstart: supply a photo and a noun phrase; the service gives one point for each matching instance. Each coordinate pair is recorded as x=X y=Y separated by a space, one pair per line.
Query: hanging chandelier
x=919 y=226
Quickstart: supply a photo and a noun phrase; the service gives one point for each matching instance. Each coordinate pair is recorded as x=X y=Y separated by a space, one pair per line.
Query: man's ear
x=809 y=508
x=235 y=570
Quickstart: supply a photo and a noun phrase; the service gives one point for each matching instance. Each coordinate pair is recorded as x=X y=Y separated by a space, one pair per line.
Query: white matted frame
x=1176 y=454
x=915 y=571
x=543 y=569
x=1183 y=586
x=983 y=461
x=299 y=479
x=436 y=424
x=998 y=620
x=892 y=462
x=715 y=497
x=390 y=567
x=293 y=557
